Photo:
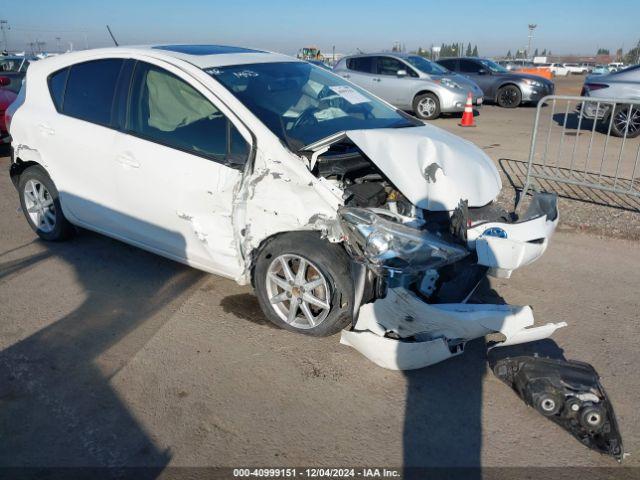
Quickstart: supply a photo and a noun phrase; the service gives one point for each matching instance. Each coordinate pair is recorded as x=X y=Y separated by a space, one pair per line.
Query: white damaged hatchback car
x=343 y=212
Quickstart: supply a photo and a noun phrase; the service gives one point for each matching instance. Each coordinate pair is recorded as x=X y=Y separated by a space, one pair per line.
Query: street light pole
x=4 y=26
x=532 y=27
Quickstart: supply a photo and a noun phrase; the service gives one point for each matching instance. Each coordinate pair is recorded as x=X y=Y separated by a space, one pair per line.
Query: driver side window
x=467 y=66
x=389 y=66
x=165 y=109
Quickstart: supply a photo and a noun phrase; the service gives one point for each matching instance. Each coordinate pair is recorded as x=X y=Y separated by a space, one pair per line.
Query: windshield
x=301 y=103
x=493 y=66
x=426 y=66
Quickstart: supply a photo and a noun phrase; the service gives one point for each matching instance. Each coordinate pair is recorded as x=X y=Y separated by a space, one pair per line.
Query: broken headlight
x=379 y=240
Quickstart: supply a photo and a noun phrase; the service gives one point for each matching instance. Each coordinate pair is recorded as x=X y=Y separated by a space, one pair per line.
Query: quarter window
x=90 y=89
x=166 y=109
x=57 y=82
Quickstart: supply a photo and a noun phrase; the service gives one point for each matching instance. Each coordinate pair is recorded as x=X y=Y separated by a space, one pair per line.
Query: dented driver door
x=177 y=170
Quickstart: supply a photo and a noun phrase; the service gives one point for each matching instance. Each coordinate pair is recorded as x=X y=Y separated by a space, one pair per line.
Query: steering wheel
x=306 y=118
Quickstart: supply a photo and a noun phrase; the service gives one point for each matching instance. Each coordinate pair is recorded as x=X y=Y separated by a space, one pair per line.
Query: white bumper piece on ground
x=402 y=332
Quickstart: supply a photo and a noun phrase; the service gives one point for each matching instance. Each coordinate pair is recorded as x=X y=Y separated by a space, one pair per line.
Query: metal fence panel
x=603 y=154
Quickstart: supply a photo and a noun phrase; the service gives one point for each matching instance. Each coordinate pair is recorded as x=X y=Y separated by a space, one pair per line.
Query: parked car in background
x=319 y=63
x=615 y=66
x=507 y=89
x=410 y=82
x=588 y=67
x=7 y=97
x=623 y=84
x=601 y=70
x=558 y=69
x=575 y=68
x=14 y=68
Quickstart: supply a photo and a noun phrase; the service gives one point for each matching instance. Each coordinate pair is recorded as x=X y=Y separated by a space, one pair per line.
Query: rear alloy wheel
x=426 y=106
x=626 y=118
x=41 y=205
x=509 y=96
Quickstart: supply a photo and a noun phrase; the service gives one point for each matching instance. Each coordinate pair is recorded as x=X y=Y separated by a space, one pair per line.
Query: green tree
x=602 y=51
x=475 y=51
x=633 y=56
x=535 y=53
x=469 y=52
x=544 y=52
x=509 y=54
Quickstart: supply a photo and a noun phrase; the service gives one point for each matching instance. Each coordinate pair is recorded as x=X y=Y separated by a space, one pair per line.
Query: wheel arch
x=423 y=91
x=506 y=83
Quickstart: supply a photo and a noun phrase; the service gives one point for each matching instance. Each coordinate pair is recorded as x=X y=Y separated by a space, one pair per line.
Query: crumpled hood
x=434 y=169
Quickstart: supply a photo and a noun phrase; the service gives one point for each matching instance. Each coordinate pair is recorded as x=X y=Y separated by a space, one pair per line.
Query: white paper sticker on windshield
x=349 y=94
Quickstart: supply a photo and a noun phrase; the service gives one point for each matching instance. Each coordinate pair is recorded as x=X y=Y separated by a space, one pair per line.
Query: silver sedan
x=410 y=82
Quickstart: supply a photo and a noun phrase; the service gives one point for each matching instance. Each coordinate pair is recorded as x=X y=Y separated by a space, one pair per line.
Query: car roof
x=202 y=56
x=383 y=54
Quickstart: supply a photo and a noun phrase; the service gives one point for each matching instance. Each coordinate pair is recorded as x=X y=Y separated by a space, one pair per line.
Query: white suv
x=342 y=211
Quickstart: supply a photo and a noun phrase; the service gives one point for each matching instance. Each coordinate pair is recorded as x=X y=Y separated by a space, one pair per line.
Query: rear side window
x=361 y=64
x=90 y=90
x=449 y=64
x=57 y=82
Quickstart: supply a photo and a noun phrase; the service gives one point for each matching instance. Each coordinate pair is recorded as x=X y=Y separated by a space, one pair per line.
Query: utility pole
x=4 y=26
x=532 y=27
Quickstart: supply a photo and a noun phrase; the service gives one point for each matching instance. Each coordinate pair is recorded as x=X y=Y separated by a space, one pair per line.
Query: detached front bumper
x=504 y=247
x=403 y=332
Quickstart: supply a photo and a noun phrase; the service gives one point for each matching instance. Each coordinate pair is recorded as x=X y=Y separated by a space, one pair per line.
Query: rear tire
x=426 y=106
x=620 y=119
x=321 y=296
x=509 y=96
x=40 y=204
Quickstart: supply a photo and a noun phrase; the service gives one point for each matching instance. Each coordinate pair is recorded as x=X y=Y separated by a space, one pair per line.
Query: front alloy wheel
x=298 y=291
x=304 y=283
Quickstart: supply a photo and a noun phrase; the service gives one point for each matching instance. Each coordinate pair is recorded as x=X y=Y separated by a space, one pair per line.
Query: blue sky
x=285 y=25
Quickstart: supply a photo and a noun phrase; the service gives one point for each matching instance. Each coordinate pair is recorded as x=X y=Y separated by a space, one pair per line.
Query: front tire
x=426 y=106
x=303 y=284
x=40 y=204
x=509 y=96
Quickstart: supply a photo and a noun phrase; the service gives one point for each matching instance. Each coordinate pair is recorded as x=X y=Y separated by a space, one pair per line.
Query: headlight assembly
x=447 y=82
x=378 y=240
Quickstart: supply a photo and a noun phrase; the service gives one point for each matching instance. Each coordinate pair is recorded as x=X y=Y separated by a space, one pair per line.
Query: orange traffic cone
x=467 y=116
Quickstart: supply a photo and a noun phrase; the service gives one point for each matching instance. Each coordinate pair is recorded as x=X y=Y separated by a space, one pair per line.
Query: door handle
x=127 y=160
x=46 y=129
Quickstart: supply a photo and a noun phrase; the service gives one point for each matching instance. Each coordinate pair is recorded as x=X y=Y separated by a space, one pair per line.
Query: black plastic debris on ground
x=570 y=394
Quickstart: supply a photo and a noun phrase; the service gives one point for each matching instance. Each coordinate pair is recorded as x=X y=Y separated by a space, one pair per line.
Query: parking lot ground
x=113 y=356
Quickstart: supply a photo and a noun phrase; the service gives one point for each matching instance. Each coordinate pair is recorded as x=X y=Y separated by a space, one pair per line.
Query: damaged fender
x=402 y=331
x=570 y=394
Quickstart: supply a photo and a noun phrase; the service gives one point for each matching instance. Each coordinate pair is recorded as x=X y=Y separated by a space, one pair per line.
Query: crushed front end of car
x=421 y=315
x=421 y=225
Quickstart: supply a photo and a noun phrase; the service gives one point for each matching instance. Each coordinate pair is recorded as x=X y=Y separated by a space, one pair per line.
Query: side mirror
x=4 y=81
x=482 y=71
x=401 y=73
